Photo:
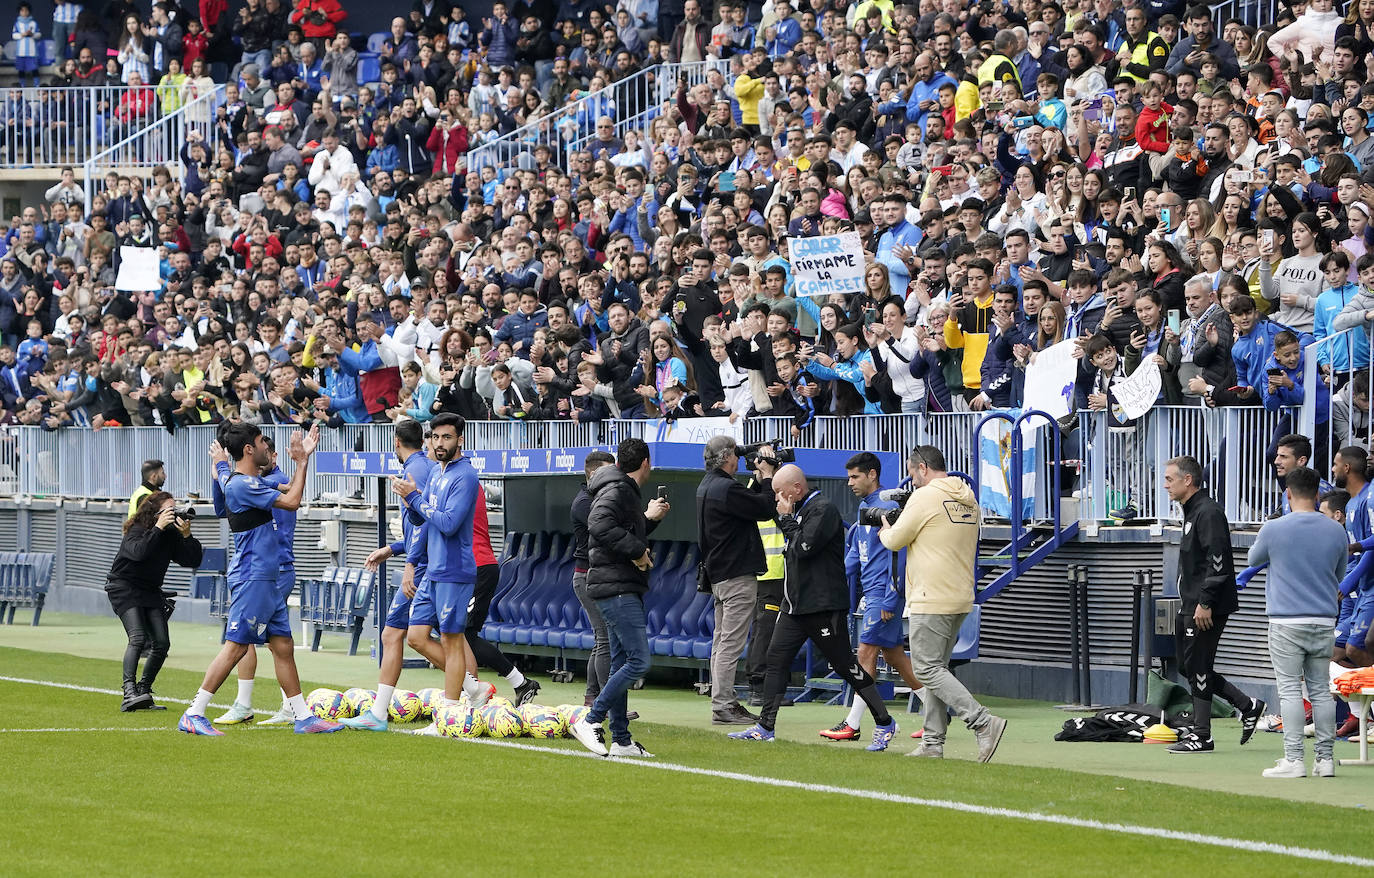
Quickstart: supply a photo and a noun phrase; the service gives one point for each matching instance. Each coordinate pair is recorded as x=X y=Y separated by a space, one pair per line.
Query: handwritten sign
x=138 y=270
x=1136 y=394
x=698 y=430
x=1049 y=380
x=827 y=264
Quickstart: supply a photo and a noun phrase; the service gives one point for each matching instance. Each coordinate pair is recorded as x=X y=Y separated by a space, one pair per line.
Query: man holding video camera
x=732 y=558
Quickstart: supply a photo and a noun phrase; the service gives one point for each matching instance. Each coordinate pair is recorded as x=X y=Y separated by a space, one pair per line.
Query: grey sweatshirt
x=1296 y=274
x=1306 y=553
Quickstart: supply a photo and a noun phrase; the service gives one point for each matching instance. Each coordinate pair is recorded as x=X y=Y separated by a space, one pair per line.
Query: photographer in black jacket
x=617 y=578
x=815 y=604
x=728 y=514
x=154 y=538
x=1207 y=587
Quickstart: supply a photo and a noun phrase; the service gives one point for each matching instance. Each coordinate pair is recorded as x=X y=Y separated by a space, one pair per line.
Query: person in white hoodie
x=894 y=345
x=938 y=527
x=1314 y=29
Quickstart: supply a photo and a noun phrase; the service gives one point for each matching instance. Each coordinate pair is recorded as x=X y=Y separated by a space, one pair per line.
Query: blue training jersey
x=285 y=518
x=870 y=562
x=257 y=549
x=411 y=545
x=1357 y=522
x=446 y=507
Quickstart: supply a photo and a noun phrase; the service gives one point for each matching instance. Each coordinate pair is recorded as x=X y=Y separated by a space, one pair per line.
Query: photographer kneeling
x=154 y=538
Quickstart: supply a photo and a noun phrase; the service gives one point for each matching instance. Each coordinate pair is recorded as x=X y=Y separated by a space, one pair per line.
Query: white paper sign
x=1137 y=393
x=1049 y=380
x=697 y=430
x=138 y=270
x=827 y=264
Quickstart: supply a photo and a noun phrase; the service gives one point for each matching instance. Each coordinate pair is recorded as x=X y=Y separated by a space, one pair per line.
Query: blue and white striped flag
x=995 y=468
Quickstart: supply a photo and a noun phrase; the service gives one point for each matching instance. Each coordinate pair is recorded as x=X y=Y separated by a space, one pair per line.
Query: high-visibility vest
x=1150 y=46
x=998 y=68
x=773 y=545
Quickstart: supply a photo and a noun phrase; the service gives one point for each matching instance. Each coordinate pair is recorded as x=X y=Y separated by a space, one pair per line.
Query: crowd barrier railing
x=54 y=127
x=1104 y=470
x=631 y=102
x=139 y=143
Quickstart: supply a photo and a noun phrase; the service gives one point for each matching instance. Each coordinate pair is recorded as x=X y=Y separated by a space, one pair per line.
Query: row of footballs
x=498 y=718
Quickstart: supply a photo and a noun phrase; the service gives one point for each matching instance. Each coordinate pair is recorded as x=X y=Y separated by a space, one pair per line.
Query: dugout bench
x=24 y=581
x=337 y=602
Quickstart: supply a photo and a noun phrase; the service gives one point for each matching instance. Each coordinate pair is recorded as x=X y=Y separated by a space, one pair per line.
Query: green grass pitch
x=89 y=788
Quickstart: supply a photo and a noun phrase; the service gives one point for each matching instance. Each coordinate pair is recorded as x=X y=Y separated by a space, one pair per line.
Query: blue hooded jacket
x=869 y=563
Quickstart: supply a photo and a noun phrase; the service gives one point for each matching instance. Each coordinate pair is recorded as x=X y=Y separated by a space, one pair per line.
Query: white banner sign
x=1049 y=380
x=697 y=430
x=1137 y=393
x=827 y=264
x=138 y=270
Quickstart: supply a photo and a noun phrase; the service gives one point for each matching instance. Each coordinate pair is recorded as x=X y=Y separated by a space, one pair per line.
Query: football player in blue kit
x=869 y=562
x=409 y=442
x=242 y=709
x=445 y=508
x=257 y=610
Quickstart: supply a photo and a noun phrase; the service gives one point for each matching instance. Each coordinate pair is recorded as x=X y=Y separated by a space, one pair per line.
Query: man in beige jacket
x=939 y=529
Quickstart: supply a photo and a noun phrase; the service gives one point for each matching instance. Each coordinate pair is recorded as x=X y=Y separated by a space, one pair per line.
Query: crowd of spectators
x=1132 y=178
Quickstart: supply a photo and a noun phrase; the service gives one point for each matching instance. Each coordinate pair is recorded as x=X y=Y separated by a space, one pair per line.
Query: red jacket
x=193 y=47
x=243 y=243
x=446 y=146
x=1152 y=129
x=304 y=15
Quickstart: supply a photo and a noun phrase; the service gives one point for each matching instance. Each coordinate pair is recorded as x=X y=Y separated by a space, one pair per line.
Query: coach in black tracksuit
x=815 y=595
x=1207 y=587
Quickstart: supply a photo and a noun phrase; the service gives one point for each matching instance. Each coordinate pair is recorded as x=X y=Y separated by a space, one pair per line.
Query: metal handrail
x=159 y=143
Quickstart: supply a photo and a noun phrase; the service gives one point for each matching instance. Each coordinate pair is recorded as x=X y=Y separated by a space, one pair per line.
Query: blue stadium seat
x=966 y=647
x=214 y=562
x=685 y=590
x=524 y=571
x=369 y=68
x=525 y=607
x=376 y=41
x=516 y=552
x=47 y=52
x=546 y=607
x=24 y=579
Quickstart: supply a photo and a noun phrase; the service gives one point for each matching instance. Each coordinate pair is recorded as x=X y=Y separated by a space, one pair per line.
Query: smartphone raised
x=1173 y=320
x=1164 y=217
x=663 y=492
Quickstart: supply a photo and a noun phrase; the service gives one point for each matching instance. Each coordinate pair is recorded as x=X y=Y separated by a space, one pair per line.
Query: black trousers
x=830 y=632
x=765 y=618
x=145 y=627
x=487 y=655
x=1197 y=650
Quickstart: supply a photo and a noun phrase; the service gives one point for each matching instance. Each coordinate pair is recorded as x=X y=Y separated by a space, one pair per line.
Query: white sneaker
x=430 y=731
x=1286 y=767
x=589 y=736
x=283 y=717
x=237 y=713
x=1324 y=768
x=1309 y=730
x=633 y=749
x=488 y=690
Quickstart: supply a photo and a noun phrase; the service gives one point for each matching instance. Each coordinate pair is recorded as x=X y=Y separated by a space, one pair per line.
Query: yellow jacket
x=748 y=91
x=939 y=529
x=966 y=100
x=972 y=335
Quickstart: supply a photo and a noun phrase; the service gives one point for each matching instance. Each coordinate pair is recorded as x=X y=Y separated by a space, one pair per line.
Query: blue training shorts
x=398 y=614
x=1343 y=620
x=442 y=605
x=1361 y=618
x=257 y=611
x=875 y=632
x=286 y=581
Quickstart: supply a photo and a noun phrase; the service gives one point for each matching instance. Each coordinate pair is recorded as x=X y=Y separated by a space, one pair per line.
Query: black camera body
x=872 y=516
x=750 y=453
x=185 y=513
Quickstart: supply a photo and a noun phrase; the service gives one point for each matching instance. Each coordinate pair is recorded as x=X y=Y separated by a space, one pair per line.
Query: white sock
x=245 y=696
x=298 y=708
x=856 y=712
x=201 y=701
x=516 y=678
x=285 y=702
x=383 y=701
x=471 y=687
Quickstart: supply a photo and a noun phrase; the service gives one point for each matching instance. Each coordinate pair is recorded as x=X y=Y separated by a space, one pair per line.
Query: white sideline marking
x=106 y=729
x=1239 y=844
x=96 y=689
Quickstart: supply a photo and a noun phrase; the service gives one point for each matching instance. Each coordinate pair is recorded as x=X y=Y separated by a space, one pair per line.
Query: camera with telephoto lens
x=781 y=455
x=185 y=513
x=872 y=516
